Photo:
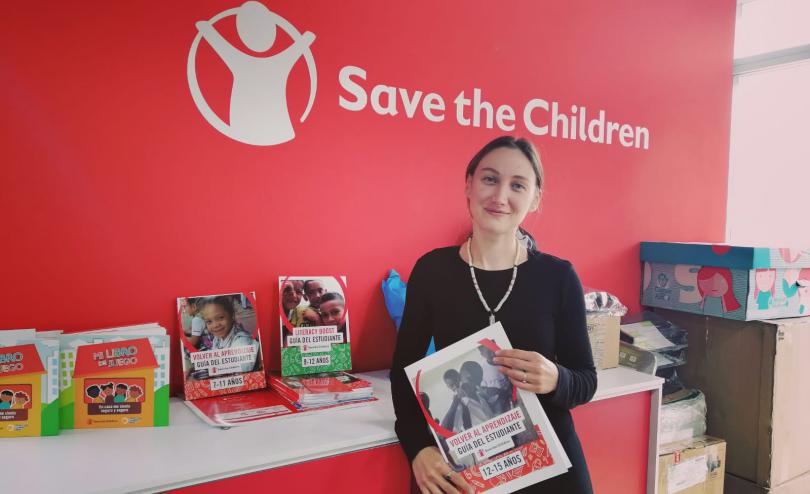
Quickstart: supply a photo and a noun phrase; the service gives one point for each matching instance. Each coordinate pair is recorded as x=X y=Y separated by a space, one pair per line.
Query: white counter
x=621 y=381
x=190 y=452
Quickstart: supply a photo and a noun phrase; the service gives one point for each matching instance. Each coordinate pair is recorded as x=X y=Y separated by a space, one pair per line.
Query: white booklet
x=496 y=435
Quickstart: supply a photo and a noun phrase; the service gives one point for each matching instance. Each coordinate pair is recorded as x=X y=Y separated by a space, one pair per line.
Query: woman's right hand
x=434 y=476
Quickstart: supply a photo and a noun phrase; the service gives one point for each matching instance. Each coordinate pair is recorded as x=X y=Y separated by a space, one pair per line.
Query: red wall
x=117 y=196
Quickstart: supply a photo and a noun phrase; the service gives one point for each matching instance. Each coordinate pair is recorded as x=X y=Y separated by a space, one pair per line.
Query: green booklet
x=314 y=321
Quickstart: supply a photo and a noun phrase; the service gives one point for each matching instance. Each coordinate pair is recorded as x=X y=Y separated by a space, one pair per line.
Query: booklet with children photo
x=220 y=345
x=314 y=321
x=496 y=435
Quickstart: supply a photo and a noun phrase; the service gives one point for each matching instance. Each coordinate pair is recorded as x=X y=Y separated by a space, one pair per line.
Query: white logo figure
x=259 y=112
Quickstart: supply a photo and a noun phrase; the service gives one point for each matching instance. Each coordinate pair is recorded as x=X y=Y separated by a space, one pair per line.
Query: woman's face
x=217 y=320
x=332 y=312
x=502 y=191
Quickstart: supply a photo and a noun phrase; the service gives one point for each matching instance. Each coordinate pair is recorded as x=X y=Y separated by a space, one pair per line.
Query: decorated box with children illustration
x=29 y=368
x=314 y=321
x=220 y=344
x=743 y=283
x=115 y=379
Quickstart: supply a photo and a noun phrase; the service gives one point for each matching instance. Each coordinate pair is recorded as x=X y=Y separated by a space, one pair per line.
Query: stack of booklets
x=29 y=389
x=649 y=331
x=321 y=390
x=243 y=408
x=115 y=377
x=224 y=379
x=315 y=341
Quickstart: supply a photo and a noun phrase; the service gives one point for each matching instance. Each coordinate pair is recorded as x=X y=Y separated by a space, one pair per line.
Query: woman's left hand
x=528 y=370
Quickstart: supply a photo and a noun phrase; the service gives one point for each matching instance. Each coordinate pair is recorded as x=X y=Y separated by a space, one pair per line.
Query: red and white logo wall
x=195 y=148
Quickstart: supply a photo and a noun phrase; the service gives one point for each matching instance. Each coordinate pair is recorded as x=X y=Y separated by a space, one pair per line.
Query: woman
x=456 y=291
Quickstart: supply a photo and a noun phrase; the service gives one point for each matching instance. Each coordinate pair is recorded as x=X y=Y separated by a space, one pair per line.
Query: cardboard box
x=603 y=331
x=755 y=378
x=693 y=466
x=743 y=283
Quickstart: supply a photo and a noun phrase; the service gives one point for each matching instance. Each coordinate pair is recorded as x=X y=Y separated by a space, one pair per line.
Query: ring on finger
x=525 y=376
x=448 y=476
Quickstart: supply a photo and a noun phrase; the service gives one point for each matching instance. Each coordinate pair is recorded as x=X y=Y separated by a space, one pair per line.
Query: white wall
x=769 y=168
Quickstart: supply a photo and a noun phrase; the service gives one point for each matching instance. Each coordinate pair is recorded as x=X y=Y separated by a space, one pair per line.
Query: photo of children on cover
x=312 y=302
x=219 y=322
x=468 y=391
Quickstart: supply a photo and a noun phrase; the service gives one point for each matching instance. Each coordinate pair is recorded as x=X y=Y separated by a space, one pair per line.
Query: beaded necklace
x=478 y=289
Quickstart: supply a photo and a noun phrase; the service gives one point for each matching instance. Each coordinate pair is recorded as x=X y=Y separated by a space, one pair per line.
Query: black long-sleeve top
x=545 y=313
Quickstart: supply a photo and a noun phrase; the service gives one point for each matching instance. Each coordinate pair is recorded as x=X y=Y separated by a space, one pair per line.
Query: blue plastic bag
x=394 y=293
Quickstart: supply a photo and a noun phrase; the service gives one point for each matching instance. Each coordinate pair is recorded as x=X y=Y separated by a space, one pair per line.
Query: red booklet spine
x=282 y=389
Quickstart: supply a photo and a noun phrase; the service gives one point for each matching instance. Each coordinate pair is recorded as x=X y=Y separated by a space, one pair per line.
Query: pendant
x=491 y=319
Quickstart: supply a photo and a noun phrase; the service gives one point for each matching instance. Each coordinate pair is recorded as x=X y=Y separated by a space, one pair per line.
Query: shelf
x=190 y=452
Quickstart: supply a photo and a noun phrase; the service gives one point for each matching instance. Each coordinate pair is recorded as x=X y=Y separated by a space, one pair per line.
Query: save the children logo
x=259 y=113
x=258 y=103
